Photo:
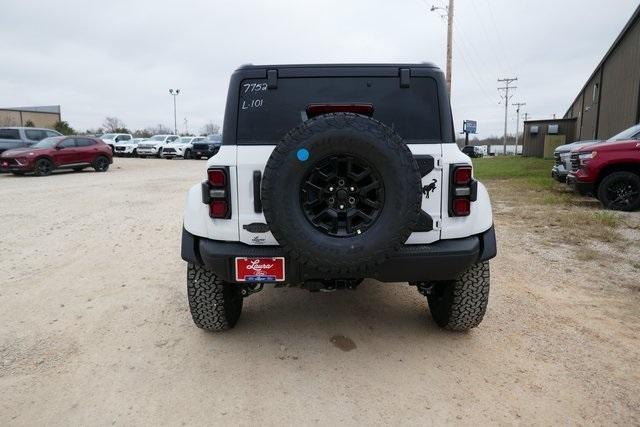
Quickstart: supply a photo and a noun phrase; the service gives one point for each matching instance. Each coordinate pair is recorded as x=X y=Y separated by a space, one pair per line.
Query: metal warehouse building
x=45 y=116
x=610 y=100
x=607 y=104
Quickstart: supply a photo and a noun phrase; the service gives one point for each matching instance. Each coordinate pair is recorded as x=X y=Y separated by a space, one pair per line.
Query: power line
x=507 y=82
x=518 y=105
x=486 y=34
x=495 y=26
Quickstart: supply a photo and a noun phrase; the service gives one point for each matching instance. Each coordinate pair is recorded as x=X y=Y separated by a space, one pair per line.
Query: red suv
x=63 y=152
x=610 y=171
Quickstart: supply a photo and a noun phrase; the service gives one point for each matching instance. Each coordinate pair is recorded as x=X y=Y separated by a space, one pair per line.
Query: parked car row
x=608 y=170
x=166 y=146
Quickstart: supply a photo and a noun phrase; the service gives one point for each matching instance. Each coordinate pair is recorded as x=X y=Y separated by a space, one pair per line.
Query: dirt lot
x=95 y=328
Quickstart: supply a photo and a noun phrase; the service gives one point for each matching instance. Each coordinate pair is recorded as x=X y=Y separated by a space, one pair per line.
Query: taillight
x=462 y=190
x=462 y=175
x=216 y=194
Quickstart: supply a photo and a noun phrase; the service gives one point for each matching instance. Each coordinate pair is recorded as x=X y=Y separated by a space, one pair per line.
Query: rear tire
x=620 y=191
x=43 y=167
x=134 y=153
x=460 y=305
x=101 y=164
x=215 y=305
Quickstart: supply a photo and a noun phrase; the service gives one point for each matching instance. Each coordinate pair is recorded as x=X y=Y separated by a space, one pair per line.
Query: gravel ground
x=95 y=328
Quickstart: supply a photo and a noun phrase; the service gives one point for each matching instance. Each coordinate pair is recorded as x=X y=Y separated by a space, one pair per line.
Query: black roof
x=379 y=65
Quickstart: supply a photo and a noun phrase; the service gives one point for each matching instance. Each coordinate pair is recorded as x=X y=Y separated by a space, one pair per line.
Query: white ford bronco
x=330 y=174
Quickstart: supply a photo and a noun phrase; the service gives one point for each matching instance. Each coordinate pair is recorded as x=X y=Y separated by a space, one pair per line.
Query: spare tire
x=341 y=193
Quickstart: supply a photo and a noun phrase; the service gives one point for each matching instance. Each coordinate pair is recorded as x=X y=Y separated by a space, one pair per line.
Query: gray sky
x=118 y=58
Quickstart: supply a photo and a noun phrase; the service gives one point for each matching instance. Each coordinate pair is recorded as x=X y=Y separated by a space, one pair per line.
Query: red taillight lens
x=462 y=189
x=462 y=175
x=217 y=177
x=461 y=207
x=218 y=209
x=215 y=193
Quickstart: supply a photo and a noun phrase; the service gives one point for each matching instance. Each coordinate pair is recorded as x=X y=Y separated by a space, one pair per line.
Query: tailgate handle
x=257 y=201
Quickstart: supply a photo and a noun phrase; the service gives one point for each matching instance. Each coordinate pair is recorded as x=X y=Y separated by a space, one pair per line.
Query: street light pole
x=174 y=93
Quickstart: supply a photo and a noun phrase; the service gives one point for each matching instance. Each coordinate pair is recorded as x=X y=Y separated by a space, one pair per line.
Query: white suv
x=128 y=147
x=111 y=139
x=153 y=146
x=319 y=185
x=183 y=147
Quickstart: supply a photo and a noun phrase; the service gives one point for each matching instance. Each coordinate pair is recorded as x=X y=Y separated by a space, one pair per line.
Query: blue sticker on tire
x=303 y=154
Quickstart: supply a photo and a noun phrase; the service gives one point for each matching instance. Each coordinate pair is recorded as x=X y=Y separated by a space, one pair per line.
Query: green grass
x=534 y=172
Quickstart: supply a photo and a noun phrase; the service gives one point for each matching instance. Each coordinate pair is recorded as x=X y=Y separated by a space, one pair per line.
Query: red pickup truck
x=610 y=171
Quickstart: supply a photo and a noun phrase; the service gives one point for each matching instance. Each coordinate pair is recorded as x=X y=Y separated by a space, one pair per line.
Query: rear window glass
x=9 y=134
x=266 y=115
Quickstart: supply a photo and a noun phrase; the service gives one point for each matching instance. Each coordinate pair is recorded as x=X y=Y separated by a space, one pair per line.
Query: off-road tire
x=460 y=305
x=43 y=167
x=215 y=305
x=333 y=135
x=631 y=179
x=101 y=164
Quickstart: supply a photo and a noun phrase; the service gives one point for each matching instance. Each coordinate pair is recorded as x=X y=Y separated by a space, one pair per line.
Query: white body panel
x=244 y=160
x=196 y=216
x=480 y=218
x=432 y=204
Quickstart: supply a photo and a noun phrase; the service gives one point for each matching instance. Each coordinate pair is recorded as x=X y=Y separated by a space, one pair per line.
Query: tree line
x=115 y=125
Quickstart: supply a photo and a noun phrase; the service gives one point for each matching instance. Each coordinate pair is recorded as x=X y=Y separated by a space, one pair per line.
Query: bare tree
x=211 y=129
x=113 y=124
x=159 y=129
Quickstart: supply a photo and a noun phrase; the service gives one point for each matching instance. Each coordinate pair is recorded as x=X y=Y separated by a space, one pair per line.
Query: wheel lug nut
x=352 y=189
x=352 y=200
x=341 y=206
x=330 y=188
x=341 y=183
x=331 y=200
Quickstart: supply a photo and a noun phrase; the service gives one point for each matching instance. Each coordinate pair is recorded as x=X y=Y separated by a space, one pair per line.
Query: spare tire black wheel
x=341 y=193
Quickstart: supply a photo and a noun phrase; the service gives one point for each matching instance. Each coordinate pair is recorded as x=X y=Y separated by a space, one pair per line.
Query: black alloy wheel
x=101 y=164
x=342 y=195
x=43 y=167
x=620 y=191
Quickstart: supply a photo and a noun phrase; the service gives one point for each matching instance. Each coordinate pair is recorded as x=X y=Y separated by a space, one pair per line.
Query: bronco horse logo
x=429 y=188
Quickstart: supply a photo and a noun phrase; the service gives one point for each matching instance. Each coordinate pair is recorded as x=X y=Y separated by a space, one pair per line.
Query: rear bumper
x=442 y=260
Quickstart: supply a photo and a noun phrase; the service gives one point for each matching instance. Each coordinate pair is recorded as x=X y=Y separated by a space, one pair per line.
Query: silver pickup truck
x=18 y=137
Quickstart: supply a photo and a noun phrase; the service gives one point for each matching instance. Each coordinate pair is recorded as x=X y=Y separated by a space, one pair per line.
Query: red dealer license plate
x=260 y=269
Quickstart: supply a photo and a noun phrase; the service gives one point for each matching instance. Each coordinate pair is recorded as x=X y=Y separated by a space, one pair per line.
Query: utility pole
x=507 y=81
x=518 y=105
x=449 y=14
x=174 y=93
x=526 y=117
